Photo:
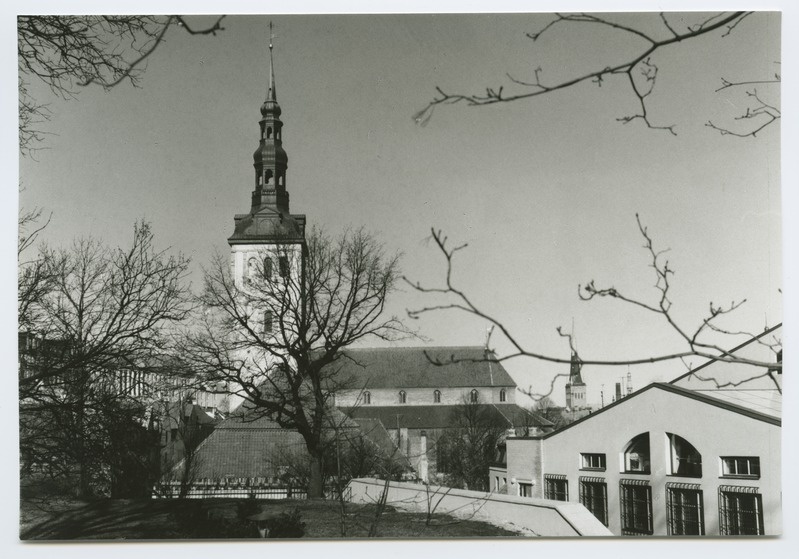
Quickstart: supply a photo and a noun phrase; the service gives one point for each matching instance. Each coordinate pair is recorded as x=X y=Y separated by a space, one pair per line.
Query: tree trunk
x=315 y=485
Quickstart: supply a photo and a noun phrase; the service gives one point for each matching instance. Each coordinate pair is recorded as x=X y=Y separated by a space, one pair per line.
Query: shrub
x=287 y=525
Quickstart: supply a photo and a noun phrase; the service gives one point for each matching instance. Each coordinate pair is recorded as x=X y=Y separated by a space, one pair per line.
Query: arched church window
x=252 y=268
x=685 y=459
x=636 y=454
x=502 y=395
x=283 y=264
x=436 y=396
x=367 y=398
x=268 y=321
x=268 y=268
x=403 y=398
x=473 y=396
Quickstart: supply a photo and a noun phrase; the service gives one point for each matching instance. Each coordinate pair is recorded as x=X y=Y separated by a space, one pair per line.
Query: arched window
x=436 y=396
x=367 y=397
x=268 y=268
x=636 y=454
x=283 y=264
x=252 y=268
x=268 y=320
x=502 y=395
x=268 y=176
x=402 y=397
x=473 y=396
x=685 y=459
x=268 y=132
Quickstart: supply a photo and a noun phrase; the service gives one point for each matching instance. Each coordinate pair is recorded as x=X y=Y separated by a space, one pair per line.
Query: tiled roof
x=440 y=416
x=411 y=367
x=248 y=446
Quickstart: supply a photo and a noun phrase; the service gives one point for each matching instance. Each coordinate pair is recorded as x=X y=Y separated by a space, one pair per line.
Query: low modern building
x=697 y=456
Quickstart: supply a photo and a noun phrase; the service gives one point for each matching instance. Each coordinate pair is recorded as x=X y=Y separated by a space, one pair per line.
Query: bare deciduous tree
x=637 y=69
x=71 y=51
x=276 y=339
x=96 y=341
x=694 y=339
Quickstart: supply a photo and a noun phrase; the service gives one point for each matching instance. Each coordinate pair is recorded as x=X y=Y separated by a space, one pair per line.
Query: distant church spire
x=269 y=219
x=270 y=160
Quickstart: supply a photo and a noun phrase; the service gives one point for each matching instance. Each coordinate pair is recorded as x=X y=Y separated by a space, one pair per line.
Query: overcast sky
x=545 y=191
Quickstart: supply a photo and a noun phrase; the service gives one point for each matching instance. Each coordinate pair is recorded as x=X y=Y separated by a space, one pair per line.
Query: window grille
x=684 y=509
x=740 y=511
x=556 y=487
x=594 y=497
x=636 y=507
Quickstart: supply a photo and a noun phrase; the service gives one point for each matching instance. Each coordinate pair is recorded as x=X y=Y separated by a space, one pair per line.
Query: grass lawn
x=171 y=519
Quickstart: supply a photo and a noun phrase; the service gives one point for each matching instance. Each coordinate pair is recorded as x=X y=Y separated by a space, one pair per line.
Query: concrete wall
x=712 y=430
x=532 y=517
x=424 y=396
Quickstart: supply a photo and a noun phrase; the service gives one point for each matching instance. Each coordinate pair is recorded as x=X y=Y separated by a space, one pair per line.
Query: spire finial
x=271 y=94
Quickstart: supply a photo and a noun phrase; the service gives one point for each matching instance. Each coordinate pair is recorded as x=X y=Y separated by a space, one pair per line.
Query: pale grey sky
x=545 y=191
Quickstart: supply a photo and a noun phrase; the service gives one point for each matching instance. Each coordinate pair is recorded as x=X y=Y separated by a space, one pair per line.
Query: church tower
x=575 y=388
x=268 y=239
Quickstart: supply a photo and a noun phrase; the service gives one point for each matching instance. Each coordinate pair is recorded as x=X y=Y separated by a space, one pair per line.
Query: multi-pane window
x=436 y=396
x=556 y=487
x=402 y=397
x=685 y=460
x=525 y=489
x=740 y=511
x=473 y=396
x=684 y=509
x=636 y=454
x=592 y=461
x=594 y=497
x=740 y=466
x=636 y=507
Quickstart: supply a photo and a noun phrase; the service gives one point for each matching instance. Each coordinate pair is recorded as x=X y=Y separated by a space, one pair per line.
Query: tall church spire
x=269 y=218
x=270 y=160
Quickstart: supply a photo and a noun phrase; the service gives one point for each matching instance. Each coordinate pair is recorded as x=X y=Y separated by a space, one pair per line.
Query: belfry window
x=502 y=395
x=268 y=176
x=436 y=396
x=367 y=398
x=268 y=132
x=403 y=398
x=473 y=396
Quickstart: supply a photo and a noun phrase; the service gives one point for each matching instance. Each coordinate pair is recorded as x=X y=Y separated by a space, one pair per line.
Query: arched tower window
x=268 y=268
x=402 y=397
x=636 y=454
x=252 y=268
x=268 y=320
x=268 y=132
x=685 y=460
x=502 y=395
x=268 y=176
x=474 y=396
x=367 y=397
x=283 y=264
x=436 y=396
